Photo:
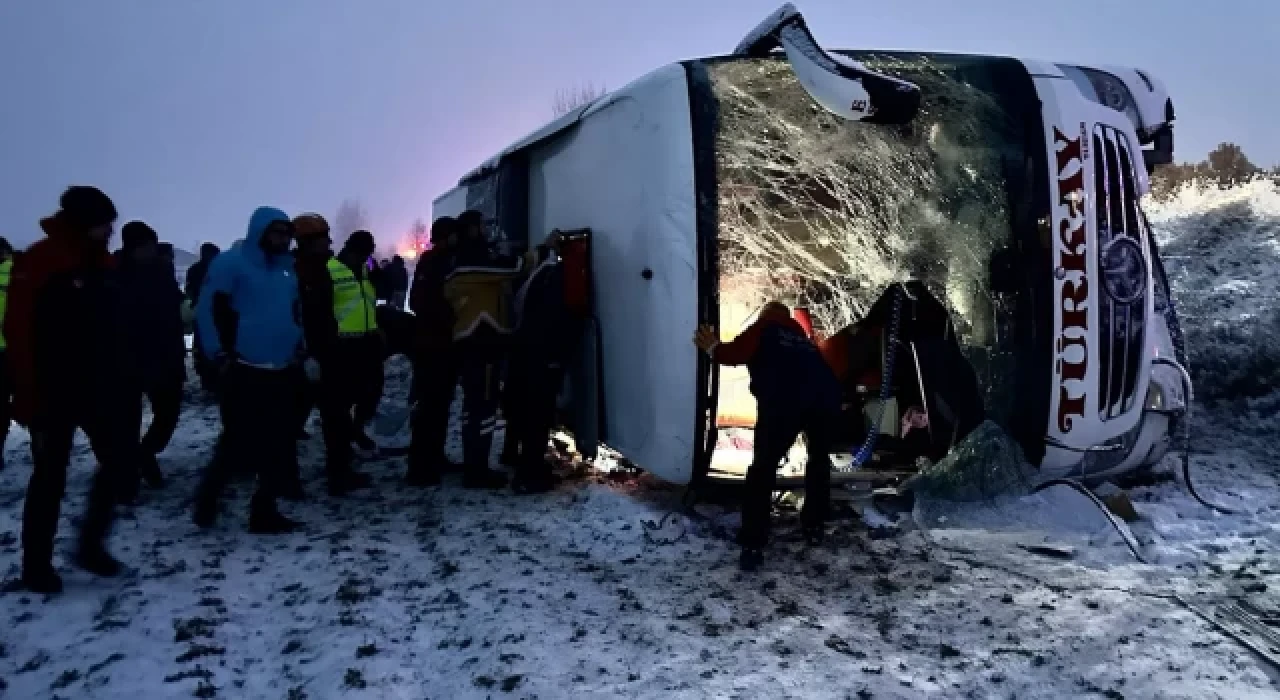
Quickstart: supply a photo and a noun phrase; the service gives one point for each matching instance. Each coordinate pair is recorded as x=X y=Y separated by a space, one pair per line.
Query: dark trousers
x=258 y=434
x=776 y=431
x=6 y=402
x=205 y=368
x=350 y=384
x=531 y=391
x=165 y=397
x=51 y=441
x=368 y=391
x=306 y=403
x=478 y=370
x=435 y=381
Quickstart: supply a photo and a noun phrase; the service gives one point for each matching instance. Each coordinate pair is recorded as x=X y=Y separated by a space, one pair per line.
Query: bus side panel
x=626 y=173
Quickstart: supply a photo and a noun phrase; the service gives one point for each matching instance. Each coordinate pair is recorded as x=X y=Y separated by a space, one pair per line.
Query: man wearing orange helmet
x=338 y=378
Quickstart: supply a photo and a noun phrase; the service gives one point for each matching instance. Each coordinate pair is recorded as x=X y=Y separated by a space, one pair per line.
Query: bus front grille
x=1122 y=270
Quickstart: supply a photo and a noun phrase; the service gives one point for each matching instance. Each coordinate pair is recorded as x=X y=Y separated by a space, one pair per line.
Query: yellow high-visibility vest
x=355 y=304
x=6 y=269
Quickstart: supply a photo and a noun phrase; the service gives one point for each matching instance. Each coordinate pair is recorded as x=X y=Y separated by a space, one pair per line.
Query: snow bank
x=1222 y=249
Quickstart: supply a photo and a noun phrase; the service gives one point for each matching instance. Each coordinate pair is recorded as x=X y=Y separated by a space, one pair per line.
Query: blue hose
x=863 y=455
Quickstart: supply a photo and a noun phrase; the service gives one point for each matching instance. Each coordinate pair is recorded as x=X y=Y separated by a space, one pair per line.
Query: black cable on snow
x=1185 y=421
x=1093 y=498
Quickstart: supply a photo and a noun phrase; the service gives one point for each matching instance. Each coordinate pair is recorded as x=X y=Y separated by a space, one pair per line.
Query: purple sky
x=190 y=114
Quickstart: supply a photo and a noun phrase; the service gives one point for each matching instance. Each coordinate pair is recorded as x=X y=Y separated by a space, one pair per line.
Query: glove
x=312 y=369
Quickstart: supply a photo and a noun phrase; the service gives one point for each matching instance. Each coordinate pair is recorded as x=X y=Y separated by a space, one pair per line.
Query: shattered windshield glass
x=824 y=213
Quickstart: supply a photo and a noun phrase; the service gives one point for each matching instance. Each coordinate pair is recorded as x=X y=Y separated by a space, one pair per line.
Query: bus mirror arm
x=842 y=86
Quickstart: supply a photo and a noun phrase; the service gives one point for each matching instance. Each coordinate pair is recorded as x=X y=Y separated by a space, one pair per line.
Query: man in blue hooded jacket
x=250 y=325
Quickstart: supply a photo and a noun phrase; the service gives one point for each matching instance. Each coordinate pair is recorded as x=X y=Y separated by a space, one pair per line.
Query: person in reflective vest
x=6 y=382
x=339 y=313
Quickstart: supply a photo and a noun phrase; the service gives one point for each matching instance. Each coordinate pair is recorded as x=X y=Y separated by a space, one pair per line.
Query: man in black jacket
x=540 y=346
x=195 y=279
x=65 y=350
x=151 y=317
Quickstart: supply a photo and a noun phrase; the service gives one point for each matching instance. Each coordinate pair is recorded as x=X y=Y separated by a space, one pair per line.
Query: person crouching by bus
x=249 y=323
x=6 y=381
x=62 y=330
x=151 y=310
x=435 y=368
x=535 y=373
x=478 y=288
x=795 y=392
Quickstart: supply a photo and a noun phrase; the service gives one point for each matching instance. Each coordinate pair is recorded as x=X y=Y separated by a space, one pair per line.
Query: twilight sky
x=190 y=114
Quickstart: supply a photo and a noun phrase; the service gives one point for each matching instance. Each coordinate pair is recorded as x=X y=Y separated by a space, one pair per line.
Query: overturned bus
x=1006 y=192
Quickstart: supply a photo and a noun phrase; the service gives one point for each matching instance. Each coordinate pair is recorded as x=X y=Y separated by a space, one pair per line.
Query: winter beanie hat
x=442 y=228
x=86 y=207
x=136 y=234
x=308 y=225
x=361 y=240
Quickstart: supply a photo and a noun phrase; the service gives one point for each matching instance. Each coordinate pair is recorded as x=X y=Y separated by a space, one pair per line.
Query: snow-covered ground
x=399 y=593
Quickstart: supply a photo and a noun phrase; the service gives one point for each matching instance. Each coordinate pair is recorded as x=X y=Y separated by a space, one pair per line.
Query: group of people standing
x=281 y=324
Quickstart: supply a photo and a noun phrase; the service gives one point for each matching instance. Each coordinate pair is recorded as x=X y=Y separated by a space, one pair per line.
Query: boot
x=291 y=490
x=750 y=559
x=510 y=453
x=366 y=448
x=535 y=480
x=272 y=524
x=348 y=481
x=41 y=578
x=150 y=470
x=95 y=559
x=205 y=514
x=127 y=492
x=423 y=477
x=483 y=478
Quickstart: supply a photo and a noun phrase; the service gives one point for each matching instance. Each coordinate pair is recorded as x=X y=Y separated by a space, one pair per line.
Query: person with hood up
x=796 y=392
x=340 y=321
x=397 y=282
x=435 y=367
x=64 y=352
x=6 y=381
x=250 y=325
x=195 y=279
x=151 y=313
x=478 y=288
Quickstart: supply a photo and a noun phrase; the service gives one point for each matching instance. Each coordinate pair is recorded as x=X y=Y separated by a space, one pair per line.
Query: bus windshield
x=824 y=213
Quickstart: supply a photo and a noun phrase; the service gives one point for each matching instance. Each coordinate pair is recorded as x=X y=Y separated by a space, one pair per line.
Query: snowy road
x=452 y=594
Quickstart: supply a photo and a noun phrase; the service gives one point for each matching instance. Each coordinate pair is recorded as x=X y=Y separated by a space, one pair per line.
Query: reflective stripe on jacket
x=355 y=305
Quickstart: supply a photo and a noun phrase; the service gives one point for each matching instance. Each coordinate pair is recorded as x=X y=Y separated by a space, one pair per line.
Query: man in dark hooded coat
x=65 y=350
x=151 y=311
